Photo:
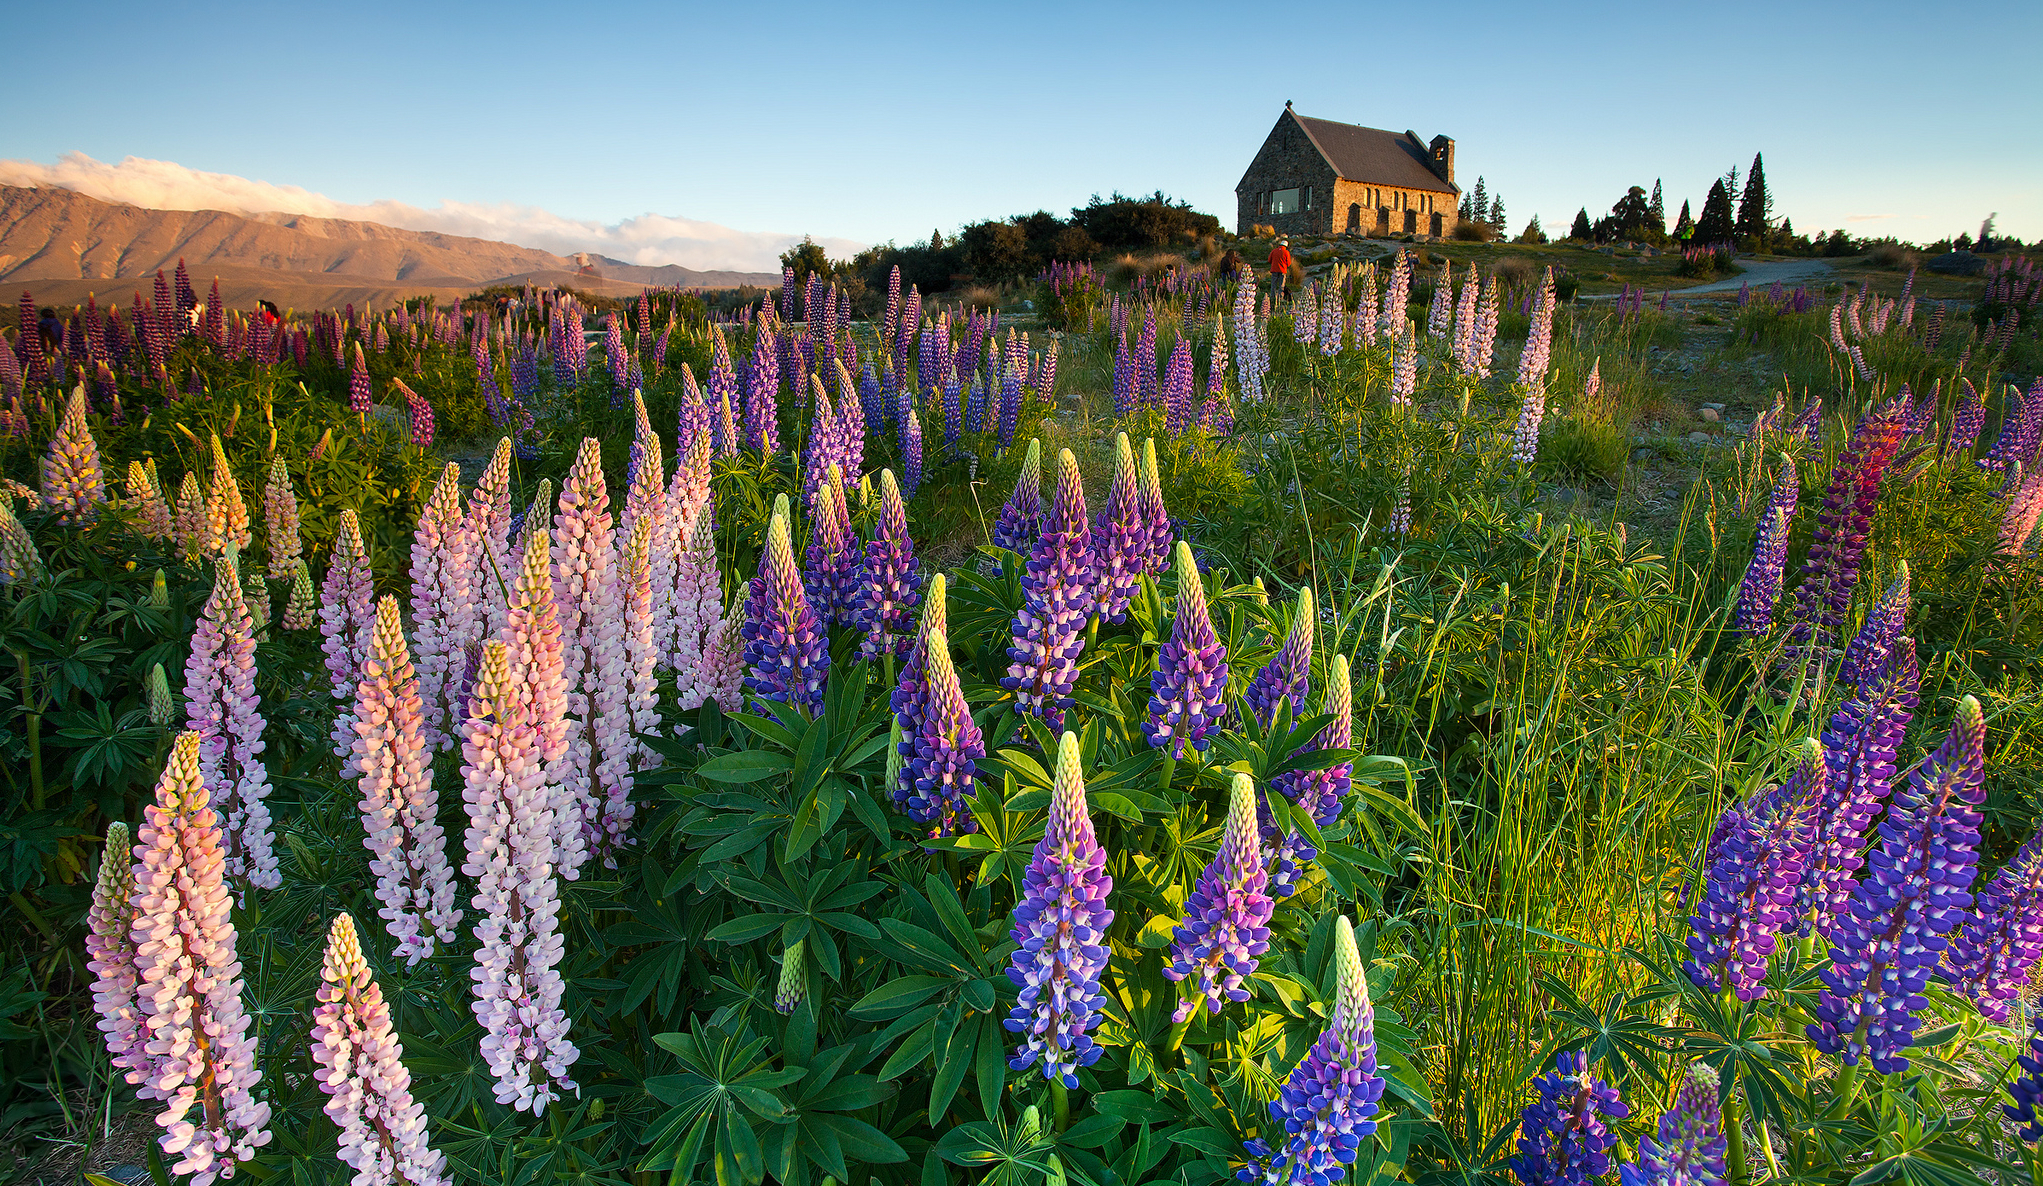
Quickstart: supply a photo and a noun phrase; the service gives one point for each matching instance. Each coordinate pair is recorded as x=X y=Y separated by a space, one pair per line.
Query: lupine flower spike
x=943 y=752
x=786 y=647
x=2027 y=1088
x=301 y=609
x=890 y=585
x=443 y=608
x=152 y=514
x=280 y=520
x=1048 y=630
x=1288 y=672
x=1227 y=916
x=1320 y=792
x=1187 y=692
x=1760 y=591
x=1563 y=1140
x=532 y=631
x=1754 y=871
x=346 y=621
x=793 y=987
x=393 y=763
x=1155 y=519
x=1121 y=539
x=1060 y=932
x=1690 y=1147
x=1991 y=956
x=19 y=560
x=221 y=706
x=110 y=951
x=72 y=483
x=1021 y=520
x=592 y=644
x=360 y=1063
x=200 y=1049
x=1327 y=1106
x=226 y=512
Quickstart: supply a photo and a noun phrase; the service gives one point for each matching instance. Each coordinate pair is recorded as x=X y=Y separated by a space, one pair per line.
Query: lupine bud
x=786 y=647
x=301 y=610
x=1562 y=1138
x=152 y=514
x=110 y=949
x=1060 y=932
x=1048 y=630
x=1021 y=520
x=1188 y=690
x=1691 y=1144
x=222 y=709
x=162 y=707
x=1227 y=916
x=793 y=988
x=72 y=483
x=360 y=1063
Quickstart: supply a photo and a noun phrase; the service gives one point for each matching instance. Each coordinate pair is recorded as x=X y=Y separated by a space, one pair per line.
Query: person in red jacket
x=1280 y=266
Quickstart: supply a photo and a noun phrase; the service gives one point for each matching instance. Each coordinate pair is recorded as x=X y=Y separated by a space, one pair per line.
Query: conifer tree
x=1755 y=206
x=1482 y=200
x=1580 y=231
x=1497 y=212
x=1656 y=218
x=1685 y=224
x=1467 y=211
x=1716 y=224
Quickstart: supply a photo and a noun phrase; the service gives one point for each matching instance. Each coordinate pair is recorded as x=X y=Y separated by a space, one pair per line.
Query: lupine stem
x=1060 y=1099
x=1734 y=1133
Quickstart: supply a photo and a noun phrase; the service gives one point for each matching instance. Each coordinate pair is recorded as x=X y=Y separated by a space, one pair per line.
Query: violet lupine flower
x=443 y=607
x=72 y=480
x=1288 y=672
x=613 y=355
x=1866 y=655
x=2027 y=1088
x=793 y=987
x=850 y=426
x=1754 y=873
x=347 y=620
x=1011 y=376
x=1966 y=423
x=1156 y=555
x=1691 y=1144
x=584 y=591
x=1060 y=932
x=1059 y=589
x=1760 y=591
x=786 y=646
x=110 y=949
x=1916 y=892
x=199 y=1045
x=1325 y=1107
x=942 y=753
x=280 y=520
x=1837 y=548
x=360 y=396
x=222 y=708
x=418 y=413
x=1120 y=539
x=1859 y=748
x=301 y=608
x=911 y=445
x=823 y=448
x=1146 y=385
x=1021 y=520
x=910 y=697
x=510 y=844
x=1188 y=690
x=360 y=1064
x=1125 y=387
x=762 y=391
x=1562 y=1138
x=400 y=812
x=832 y=565
x=1227 y=916
x=226 y=513
x=953 y=422
x=1990 y=958
x=1178 y=388
x=1320 y=792
x=975 y=404
x=890 y=585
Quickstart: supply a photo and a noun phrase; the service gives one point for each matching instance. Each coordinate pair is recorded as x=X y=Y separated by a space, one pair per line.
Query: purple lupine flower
x=1011 y=375
x=1059 y=587
x=1060 y=933
x=1990 y=958
x=1916 y=891
x=1326 y=1107
x=786 y=646
x=1539 y=342
x=953 y=423
x=1021 y=520
x=850 y=425
x=1838 y=547
x=223 y=709
x=1178 y=388
x=2027 y=1088
x=1188 y=690
x=1562 y=1139
x=943 y=751
x=823 y=448
x=1288 y=672
x=975 y=404
x=1754 y=872
x=1149 y=391
x=1691 y=1144
x=1155 y=519
x=613 y=356
x=1866 y=655
x=1760 y=591
x=360 y=396
x=832 y=566
x=911 y=445
x=1966 y=422
x=910 y=697
x=1320 y=792
x=890 y=580
x=762 y=391
x=1120 y=540
x=1125 y=387
x=1859 y=748
x=1227 y=917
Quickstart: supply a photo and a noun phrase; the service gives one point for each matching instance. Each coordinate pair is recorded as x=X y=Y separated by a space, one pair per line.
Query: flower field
x=1143 y=732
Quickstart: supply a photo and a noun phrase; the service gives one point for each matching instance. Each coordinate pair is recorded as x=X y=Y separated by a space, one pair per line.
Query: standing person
x=1280 y=266
x=51 y=330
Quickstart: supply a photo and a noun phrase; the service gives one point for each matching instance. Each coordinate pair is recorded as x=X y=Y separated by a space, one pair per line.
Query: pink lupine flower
x=361 y=1067
x=346 y=620
x=489 y=526
x=222 y=708
x=199 y=1050
x=72 y=482
x=532 y=631
x=443 y=609
x=393 y=763
x=226 y=513
x=517 y=986
x=152 y=514
x=280 y=518
x=631 y=693
x=110 y=951
x=591 y=632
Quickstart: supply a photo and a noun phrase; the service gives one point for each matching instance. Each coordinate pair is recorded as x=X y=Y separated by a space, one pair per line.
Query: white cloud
x=649 y=239
x=1866 y=217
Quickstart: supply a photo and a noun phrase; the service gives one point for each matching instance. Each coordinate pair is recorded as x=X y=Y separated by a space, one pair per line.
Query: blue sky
x=881 y=121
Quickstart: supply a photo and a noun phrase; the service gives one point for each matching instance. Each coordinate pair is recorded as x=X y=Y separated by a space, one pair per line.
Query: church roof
x=1374 y=155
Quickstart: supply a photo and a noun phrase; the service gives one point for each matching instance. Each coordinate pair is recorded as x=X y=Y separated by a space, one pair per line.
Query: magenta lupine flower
x=1326 y=1105
x=585 y=599
x=1562 y=1138
x=1060 y=932
x=419 y=414
x=1188 y=690
x=1859 y=748
x=1866 y=655
x=1916 y=891
x=222 y=708
x=72 y=481
x=110 y=950
x=786 y=644
x=200 y=1049
x=1288 y=672
x=890 y=584
x=832 y=565
x=400 y=811
x=360 y=396
x=226 y=513
x=1155 y=519
x=1691 y=1144
x=1760 y=591
x=1227 y=916
x=1178 y=388
x=360 y=1063
x=510 y=843
x=1120 y=539
x=443 y=607
x=347 y=620
x=936 y=779
x=1021 y=520
x=280 y=520
x=1754 y=873
x=1059 y=589
x=1991 y=956
x=1838 y=546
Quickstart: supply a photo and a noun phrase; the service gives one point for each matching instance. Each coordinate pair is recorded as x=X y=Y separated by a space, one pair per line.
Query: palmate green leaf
x=746 y=766
x=897 y=996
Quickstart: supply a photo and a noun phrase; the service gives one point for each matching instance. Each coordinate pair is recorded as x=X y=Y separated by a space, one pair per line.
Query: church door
x=1436 y=224
x=1383 y=220
x=1411 y=222
x=1355 y=218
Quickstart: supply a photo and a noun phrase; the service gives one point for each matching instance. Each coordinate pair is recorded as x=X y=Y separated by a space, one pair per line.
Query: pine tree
x=1497 y=212
x=1755 y=206
x=1656 y=218
x=936 y=240
x=1467 y=212
x=1482 y=200
x=1684 y=225
x=1580 y=231
x=1534 y=233
x=1716 y=224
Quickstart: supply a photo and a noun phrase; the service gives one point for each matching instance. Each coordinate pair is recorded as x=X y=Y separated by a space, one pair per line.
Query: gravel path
x=1761 y=273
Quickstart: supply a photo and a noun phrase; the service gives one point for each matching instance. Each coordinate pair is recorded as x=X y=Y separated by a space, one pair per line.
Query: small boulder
x=1711 y=415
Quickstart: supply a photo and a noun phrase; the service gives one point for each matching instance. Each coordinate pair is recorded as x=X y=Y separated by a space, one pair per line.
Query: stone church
x=1315 y=176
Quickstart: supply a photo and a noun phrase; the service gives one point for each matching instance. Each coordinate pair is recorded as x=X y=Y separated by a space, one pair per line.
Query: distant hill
x=60 y=244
